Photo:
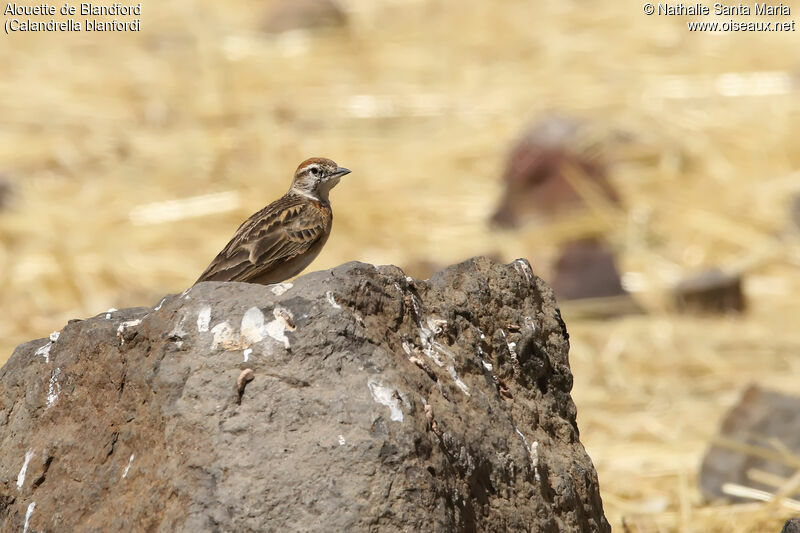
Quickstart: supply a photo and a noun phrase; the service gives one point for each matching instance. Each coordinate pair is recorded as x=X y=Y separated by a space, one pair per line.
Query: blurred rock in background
x=586 y=269
x=795 y=211
x=757 y=449
x=555 y=167
x=585 y=274
x=289 y=15
x=559 y=167
x=6 y=191
x=711 y=291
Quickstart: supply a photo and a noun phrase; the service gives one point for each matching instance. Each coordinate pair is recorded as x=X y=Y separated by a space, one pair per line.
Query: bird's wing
x=281 y=231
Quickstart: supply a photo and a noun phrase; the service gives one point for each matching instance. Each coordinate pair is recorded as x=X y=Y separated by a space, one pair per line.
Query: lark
x=282 y=239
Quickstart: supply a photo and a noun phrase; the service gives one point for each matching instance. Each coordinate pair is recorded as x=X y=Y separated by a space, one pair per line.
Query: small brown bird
x=282 y=239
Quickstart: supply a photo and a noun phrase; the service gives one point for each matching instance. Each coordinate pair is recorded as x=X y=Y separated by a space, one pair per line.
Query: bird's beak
x=341 y=171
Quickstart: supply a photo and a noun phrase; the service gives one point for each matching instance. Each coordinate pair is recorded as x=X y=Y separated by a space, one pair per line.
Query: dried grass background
x=421 y=99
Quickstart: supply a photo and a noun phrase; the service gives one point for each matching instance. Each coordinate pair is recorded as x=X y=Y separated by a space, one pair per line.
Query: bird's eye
x=314 y=170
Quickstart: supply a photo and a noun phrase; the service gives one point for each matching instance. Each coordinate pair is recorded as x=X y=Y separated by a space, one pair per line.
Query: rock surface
x=374 y=402
x=791 y=526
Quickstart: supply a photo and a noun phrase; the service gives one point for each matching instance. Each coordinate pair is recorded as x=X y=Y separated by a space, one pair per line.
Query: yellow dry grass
x=420 y=99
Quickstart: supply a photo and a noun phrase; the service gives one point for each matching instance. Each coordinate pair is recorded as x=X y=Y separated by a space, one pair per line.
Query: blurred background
x=649 y=173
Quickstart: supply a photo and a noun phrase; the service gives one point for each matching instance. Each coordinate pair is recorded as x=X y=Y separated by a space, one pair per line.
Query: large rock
x=378 y=403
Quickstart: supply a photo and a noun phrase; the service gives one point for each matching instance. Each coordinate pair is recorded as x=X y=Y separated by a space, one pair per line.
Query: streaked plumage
x=282 y=239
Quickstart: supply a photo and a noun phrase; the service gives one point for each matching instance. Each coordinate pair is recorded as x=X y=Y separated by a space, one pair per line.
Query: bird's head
x=316 y=177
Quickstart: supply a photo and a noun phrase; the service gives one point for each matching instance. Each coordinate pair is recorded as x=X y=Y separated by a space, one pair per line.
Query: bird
x=282 y=239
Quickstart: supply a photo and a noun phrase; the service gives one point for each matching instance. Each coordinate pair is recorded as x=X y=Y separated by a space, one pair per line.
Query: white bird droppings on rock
x=255 y=329
x=24 y=469
x=108 y=313
x=276 y=328
x=44 y=351
x=127 y=468
x=388 y=397
x=280 y=288
x=156 y=308
x=204 y=319
x=332 y=300
x=54 y=388
x=342 y=442
x=125 y=325
x=512 y=346
x=428 y=329
x=521 y=266
x=253 y=325
x=522 y=437
x=461 y=385
x=223 y=336
x=430 y=346
x=28 y=513
x=128 y=324
x=533 y=453
x=530 y=323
